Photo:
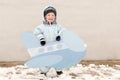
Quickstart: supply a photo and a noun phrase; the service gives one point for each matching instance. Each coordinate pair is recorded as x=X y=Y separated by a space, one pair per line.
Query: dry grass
x=84 y=62
x=101 y=62
x=11 y=63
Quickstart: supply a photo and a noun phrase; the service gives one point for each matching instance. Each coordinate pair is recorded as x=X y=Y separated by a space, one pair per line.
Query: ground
x=84 y=62
x=86 y=70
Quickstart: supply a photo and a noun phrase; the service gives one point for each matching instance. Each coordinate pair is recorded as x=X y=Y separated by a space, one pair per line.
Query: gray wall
x=96 y=21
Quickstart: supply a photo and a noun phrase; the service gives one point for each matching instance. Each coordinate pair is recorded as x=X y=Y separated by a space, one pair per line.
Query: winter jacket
x=48 y=32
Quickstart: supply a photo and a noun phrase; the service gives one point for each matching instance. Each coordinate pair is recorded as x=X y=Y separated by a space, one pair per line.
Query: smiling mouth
x=50 y=19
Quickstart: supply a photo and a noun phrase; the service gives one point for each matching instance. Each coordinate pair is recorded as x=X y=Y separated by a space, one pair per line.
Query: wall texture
x=96 y=21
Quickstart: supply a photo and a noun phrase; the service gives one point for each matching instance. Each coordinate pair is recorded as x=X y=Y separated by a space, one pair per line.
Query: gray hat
x=48 y=10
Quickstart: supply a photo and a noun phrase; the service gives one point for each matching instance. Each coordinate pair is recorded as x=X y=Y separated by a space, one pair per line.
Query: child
x=49 y=30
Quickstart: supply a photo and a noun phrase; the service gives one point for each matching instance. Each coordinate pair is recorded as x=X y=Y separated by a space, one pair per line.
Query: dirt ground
x=84 y=62
x=101 y=62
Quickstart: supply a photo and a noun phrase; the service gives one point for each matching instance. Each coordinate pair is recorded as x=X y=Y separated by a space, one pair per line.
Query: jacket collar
x=46 y=23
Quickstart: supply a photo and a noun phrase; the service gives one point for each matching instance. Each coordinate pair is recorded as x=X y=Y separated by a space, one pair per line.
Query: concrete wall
x=96 y=21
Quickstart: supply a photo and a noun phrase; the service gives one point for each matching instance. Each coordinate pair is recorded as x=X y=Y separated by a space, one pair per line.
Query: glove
x=58 y=38
x=42 y=42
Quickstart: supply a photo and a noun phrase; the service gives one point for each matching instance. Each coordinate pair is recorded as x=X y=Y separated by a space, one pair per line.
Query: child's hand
x=58 y=38
x=42 y=42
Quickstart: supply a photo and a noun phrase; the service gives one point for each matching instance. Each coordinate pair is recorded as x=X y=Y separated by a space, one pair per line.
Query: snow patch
x=78 y=72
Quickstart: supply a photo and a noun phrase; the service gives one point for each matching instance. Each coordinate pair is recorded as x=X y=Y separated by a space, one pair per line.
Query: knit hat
x=48 y=10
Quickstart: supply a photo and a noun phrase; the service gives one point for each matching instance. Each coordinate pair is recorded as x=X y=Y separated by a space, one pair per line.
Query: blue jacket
x=48 y=32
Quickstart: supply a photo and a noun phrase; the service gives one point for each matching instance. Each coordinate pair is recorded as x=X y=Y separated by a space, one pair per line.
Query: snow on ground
x=78 y=72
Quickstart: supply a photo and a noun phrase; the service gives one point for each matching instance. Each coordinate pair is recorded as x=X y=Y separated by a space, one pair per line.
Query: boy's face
x=50 y=17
